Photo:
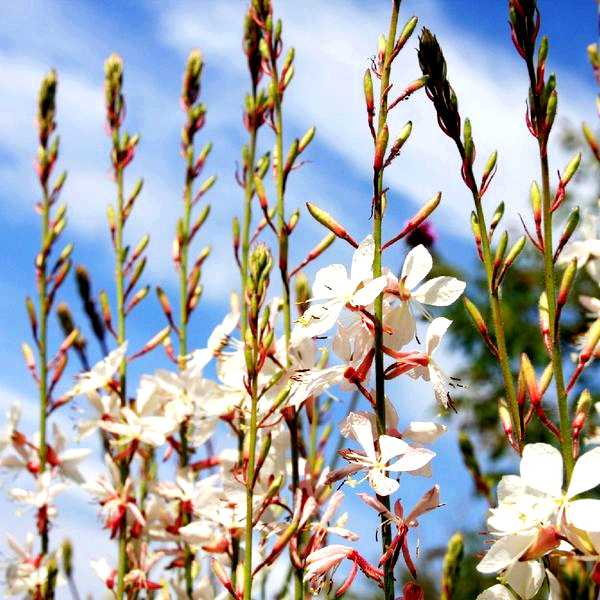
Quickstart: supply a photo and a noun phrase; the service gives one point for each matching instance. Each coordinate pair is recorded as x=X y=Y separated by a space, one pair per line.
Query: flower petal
x=439 y=291
x=390 y=446
x=362 y=261
x=504 y=552
x=381 y=483
x=542 y=468
x=526 y=578
x=435 y=332
x=586 y=473
x=417 y=264
x=367 y=294
x=496 y=592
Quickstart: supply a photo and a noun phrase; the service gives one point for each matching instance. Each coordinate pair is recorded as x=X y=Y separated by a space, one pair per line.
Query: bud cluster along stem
x=542 y=105
x=441 y=93
x=129 y=268
x=50 y=274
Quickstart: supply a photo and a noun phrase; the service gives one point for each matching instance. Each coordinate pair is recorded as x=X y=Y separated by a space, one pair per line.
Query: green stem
x=43 y=347
x=250 y=474
x=245 y=243
x=183 y=348
x=283 y=235
x=386 y=532
x=566 y=434
x=498 y=321
x=121 y=336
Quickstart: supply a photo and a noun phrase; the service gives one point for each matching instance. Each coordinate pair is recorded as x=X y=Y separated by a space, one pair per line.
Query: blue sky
x=333 y=42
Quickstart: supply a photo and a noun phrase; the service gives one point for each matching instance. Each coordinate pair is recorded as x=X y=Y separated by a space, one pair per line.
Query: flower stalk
x=381 y=139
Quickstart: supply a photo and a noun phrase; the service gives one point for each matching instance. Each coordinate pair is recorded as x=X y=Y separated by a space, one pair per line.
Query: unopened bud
x=368 y=89
x=306 y=139
x=451 y=566
x=566 y=283
x=330 y=223
x=380 y=148
x=406 y=32
x=551 y=109
x=536 y=200
x=570 y=169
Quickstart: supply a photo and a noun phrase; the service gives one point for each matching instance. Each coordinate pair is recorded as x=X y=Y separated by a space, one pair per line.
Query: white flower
x=377 y=463
x=438 y=291
x=100 y=375
x=13 y=414
x=42 y=497
x=533 y=509
x=432 y=371
x=135 y=428
x=333 y=289
x=216 y=341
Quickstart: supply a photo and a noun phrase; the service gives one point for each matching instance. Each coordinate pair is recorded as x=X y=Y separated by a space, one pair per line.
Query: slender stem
x=245 y=243
x=43 y=347
x=498 y=321
x=294 y=423
x=566 y=434
x=250 y=474
x=183 y=347
x=121 y=337
x=386 y=532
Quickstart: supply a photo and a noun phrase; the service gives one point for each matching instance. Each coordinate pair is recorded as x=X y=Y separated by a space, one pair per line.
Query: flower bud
x=380 y=148
x=406 y=32
x=306 y=139
x=191 y=79
x=566 y=284
x=302 y=292
x=368 y=89
x=330 y=223
x=451 y=566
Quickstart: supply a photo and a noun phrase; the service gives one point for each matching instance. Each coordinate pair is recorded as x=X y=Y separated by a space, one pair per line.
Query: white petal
x=586 y=473
x=510 y=486
x=362 y=261
x=417 y=265
x=383 y=485
x=542 y=468
x=435 y=332
x=526 y=578
x=329 y=281
x=584 y=514
x=390 y=446
x=439 y=291
x=317 y=320
x=423 y=432
x=555 y=592
x=413 y=460
x=496 y=592
x=367 y=294
x=504 y=552
x=362 y=432
x=403 y=325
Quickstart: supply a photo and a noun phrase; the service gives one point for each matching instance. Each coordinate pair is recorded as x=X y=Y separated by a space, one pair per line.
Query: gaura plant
x=224 y=473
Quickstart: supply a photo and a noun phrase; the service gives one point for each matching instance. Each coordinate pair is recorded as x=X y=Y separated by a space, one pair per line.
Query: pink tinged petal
x=591 y=304
x=435 y=332
x=383 y=485
x=362 y=261
x=362 y=431
x=413 y=460
x=390 y=446
x=496 y=592
x=586 y=473
x=526 y=578
x=367 y=294
x=136 y=514
x=403 y=326
x=504 y=552
x=375 y=505
x=197 y=532
x=417 y=264
x=423 y=432
x=438 y=383
x=439 y=291
x=329 y=281
x=542 y=468
x=429 y=501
